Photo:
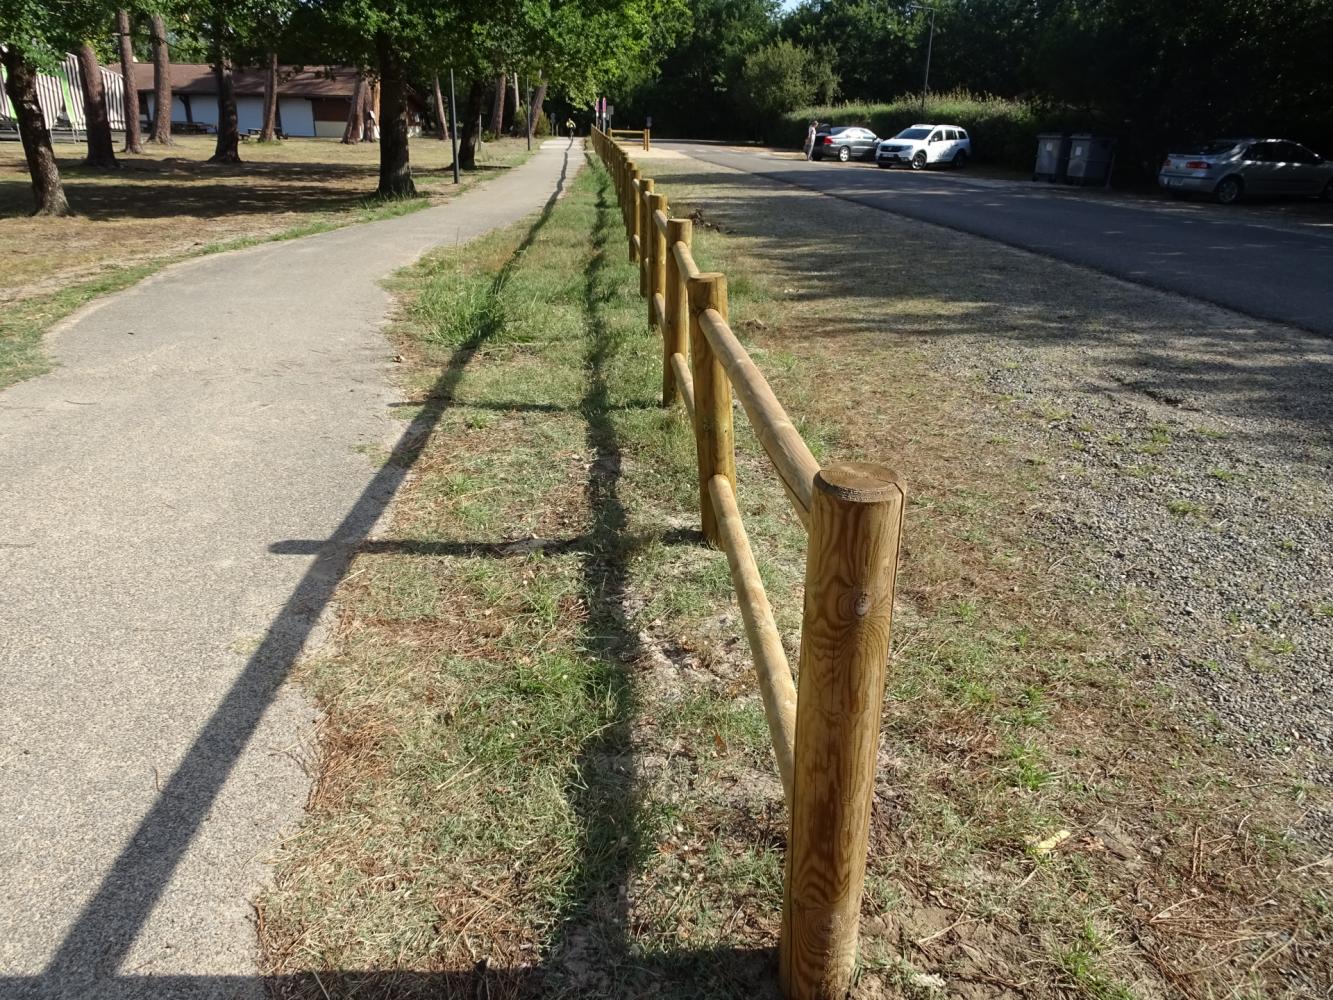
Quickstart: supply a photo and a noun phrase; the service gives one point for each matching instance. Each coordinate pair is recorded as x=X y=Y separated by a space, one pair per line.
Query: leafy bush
x=1003 y=131
x=782 y=76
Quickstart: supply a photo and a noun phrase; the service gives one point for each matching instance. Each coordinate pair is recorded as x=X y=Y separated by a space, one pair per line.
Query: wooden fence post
x=713 y=439
x=645 y=228
x=851 y=564
x=633 y=198
x=647 y=141
x=676 y=331
x=654 y=252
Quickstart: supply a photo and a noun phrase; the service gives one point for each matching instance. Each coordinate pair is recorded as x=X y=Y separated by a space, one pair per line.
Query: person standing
x=810 y=139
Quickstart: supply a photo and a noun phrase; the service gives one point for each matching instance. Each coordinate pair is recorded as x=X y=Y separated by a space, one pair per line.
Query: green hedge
x=1003 y=132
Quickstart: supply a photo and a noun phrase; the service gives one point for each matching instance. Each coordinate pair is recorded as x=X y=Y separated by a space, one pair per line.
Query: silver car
x=1231 y=169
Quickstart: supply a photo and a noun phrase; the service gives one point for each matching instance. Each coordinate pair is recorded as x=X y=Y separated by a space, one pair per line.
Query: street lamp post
x=930 y=44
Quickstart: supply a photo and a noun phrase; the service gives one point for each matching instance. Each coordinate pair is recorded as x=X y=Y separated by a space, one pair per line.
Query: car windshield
x=913 y=133
x=837 y=129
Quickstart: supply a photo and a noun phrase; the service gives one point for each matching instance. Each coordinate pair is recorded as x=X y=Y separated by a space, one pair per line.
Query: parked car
x=923 y=145
x=846 y=142
x=1232 y=169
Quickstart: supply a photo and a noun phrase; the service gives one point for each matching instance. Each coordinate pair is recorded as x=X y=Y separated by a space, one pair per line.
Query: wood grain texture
x=685 y=383
x=855 y=526
x=713 y=437
x=633 y=196
x=783 y=444
x=644 y=224
x=776 y=687
x=676 y=321
x=685 y=258
x=655 y=261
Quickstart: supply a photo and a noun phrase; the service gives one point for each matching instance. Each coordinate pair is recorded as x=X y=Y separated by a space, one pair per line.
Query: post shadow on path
x=593 y=938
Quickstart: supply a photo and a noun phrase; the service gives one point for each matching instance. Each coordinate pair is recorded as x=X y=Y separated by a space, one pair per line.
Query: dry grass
x=545 y=771
x=168 y=204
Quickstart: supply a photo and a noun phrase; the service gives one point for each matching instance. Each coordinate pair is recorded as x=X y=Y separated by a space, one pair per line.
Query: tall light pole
x=930 y=44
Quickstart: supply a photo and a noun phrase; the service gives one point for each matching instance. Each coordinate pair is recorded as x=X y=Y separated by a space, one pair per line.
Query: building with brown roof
x=312 y=101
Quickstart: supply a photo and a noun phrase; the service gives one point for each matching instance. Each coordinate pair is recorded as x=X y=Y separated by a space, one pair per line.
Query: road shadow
x=901 y=283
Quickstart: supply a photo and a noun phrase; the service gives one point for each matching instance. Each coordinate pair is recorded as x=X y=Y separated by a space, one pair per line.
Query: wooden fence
x=643 y=134
x=826 y=733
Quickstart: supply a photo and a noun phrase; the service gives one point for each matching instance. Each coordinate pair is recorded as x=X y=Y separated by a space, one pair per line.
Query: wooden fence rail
x=825 y=730
x=645 y=135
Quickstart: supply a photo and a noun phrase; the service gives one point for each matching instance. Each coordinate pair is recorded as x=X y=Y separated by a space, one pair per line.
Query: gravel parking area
x=1183 y=450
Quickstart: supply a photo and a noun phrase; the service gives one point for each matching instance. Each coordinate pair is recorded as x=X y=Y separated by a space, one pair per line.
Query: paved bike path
x=151 y=753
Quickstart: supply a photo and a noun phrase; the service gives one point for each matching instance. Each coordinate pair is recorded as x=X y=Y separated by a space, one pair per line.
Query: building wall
x=297 y=117
x=249 y=113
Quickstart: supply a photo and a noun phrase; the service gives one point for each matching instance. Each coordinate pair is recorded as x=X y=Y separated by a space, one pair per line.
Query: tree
x=356 y=112
x=498 y=105
x=133 y=139
x=97 y=122
x=161 y=133
x=21 y=85
x=269 y=131
x=441 y=112
x=778 y=78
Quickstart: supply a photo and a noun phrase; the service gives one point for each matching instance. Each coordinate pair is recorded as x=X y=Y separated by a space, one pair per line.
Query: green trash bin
x=1090 y=159
x=1052 y=157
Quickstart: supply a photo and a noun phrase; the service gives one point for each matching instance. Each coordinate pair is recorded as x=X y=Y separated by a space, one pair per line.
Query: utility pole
x=453 y=122
x=930 y=44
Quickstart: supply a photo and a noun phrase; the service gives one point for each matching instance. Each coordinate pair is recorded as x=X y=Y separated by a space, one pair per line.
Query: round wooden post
x=676 y=332
x=713 y=438
x=855 y=524
x=644 y=227
x=655 y=254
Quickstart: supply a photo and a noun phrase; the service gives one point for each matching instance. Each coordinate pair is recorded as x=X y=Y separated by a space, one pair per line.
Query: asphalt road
x=151 y=751
x=1271 y=268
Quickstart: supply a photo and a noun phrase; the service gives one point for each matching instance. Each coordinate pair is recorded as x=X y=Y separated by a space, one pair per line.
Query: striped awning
x=60 y=95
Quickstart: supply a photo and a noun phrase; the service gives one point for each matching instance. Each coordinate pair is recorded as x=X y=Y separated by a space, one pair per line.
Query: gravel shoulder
x=1183 y=451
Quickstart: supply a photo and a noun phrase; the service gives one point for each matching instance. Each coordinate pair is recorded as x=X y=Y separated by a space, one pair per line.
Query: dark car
x=844 y=142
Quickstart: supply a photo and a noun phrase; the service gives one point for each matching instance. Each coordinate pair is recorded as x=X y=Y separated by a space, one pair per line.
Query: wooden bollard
x=645 y=231
x=713 y=438
x=656 y=255
x=676 y=331
x=647 y=143
x=633 y=196
x=851 y=564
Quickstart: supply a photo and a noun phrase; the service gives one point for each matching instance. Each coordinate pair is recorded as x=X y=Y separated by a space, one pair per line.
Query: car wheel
x=960 y=159
x=919 y=161
x=1228 y=190
x=844 y=154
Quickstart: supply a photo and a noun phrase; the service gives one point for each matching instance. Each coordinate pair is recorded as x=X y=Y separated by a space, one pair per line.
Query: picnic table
x=191 y=128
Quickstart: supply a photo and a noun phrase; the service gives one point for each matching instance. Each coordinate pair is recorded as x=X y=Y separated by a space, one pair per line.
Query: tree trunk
x=133 y=137
x=517 y=103
x=356 y=112
x=228 y=148
x=21 y=86
x=101 y=149
x=161 y=84
x=395 y=169
x=535 y=110
x=498 y=110
x=269 y=133
x=441 y=112
x=471 y=132
x=371 y=116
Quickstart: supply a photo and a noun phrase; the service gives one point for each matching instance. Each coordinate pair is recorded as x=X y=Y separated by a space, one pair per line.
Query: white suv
x=922 y=145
